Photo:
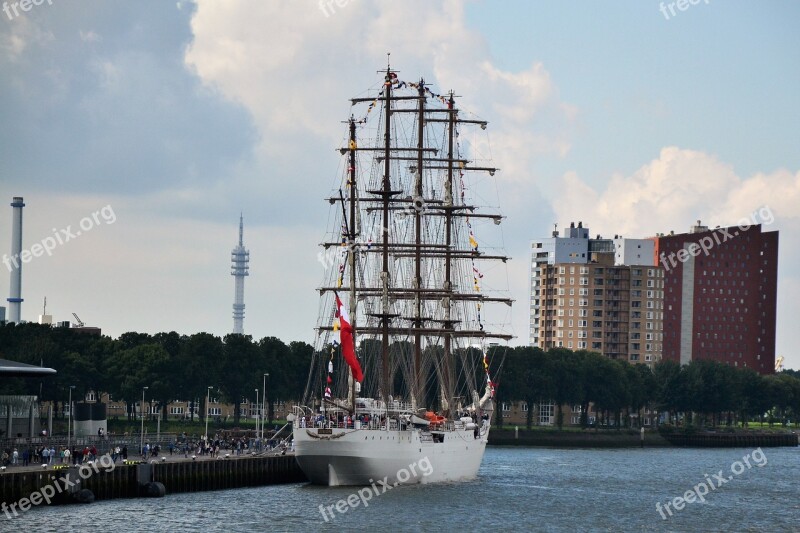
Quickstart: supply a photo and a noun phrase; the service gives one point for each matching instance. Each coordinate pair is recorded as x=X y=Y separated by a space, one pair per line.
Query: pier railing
x=103 y=444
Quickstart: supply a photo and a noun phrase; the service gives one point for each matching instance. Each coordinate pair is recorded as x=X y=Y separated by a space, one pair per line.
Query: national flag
x=346 y=338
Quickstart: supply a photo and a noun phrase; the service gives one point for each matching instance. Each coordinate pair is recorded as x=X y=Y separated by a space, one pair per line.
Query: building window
x=546 y=414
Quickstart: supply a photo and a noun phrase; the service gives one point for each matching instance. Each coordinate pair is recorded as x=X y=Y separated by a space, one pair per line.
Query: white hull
x=366 y=456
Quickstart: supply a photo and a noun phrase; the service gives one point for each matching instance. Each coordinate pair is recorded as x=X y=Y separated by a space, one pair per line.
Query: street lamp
x=141 y=414
x=258 y=415
x=208 y=398
x=69 y=420
x=264 y=404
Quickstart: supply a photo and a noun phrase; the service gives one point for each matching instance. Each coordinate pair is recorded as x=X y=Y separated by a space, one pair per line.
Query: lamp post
x=208 y=398
x=258 y=415
x=264 y=404
x=141 y=414
x=69 y=420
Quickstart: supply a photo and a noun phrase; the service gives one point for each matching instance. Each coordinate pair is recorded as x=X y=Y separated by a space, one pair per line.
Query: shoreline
x=633 y=439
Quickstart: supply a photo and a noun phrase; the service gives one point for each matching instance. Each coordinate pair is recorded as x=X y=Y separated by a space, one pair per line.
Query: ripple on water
x=519 y=489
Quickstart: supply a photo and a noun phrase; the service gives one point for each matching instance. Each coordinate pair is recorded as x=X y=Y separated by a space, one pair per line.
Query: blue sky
x=181 y=115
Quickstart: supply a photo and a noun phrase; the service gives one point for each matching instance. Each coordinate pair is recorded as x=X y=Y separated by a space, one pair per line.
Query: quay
x=104 y=480
x=634 y=439
x=733 y=440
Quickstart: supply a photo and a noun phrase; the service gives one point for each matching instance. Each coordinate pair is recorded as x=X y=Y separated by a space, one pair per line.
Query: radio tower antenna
x=240 y=267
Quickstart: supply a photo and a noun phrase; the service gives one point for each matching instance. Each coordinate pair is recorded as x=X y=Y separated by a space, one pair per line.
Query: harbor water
x=518 y=489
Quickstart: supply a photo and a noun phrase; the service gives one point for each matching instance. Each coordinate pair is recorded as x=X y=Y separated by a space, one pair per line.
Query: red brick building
x=720 y=292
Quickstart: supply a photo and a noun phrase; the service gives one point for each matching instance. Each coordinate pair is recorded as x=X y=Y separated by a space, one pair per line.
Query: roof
x=22 y=370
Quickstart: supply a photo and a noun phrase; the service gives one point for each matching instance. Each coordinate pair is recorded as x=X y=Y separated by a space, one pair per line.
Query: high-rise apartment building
x=720 y=295
x=603 y=295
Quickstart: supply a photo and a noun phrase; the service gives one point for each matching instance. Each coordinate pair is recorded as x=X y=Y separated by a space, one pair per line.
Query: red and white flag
x=346 y=340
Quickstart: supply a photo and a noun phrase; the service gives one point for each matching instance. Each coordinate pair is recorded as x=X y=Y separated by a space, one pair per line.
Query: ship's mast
x=418 y=204
x=387 y=192
x=407 y=307
x=351 y=253
x=448 y=217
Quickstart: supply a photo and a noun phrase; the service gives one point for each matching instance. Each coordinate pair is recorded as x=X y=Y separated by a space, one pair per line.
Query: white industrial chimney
x=15 y=287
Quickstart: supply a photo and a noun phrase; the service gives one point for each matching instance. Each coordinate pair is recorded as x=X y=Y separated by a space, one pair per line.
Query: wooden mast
x=448 y=214
x=419 y=206
x=351 y=252
x=387 y=191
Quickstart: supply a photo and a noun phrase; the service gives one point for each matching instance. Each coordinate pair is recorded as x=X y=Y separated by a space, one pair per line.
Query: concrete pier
x=58 y=485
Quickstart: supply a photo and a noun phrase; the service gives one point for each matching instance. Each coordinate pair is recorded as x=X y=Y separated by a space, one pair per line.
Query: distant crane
x=78 y=322
x=779 y=363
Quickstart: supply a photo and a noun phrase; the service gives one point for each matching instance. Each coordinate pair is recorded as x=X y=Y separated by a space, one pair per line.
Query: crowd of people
x=61 y=455
x=44 y=454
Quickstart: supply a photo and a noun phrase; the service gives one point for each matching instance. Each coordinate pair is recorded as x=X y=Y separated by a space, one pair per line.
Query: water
x=519 y=489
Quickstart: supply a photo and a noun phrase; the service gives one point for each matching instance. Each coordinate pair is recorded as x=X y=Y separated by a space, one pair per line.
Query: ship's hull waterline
x=362 y=457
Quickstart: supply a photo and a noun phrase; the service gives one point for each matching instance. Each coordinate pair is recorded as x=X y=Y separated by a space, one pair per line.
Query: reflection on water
x=519 y=489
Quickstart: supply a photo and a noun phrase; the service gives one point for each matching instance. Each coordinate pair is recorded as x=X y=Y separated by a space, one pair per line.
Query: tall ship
x=400 y=388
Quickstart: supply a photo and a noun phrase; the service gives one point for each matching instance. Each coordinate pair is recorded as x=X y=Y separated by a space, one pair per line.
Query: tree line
x=175 y=366
x=713 y=392
x=172 y=366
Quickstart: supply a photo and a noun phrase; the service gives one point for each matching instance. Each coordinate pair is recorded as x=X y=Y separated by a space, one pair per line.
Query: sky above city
x=151 y=126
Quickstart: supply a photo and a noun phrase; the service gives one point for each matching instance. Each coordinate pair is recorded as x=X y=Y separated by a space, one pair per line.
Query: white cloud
x=21 y=35
x=673 y=191
x=277 y=59
x=89 y=36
